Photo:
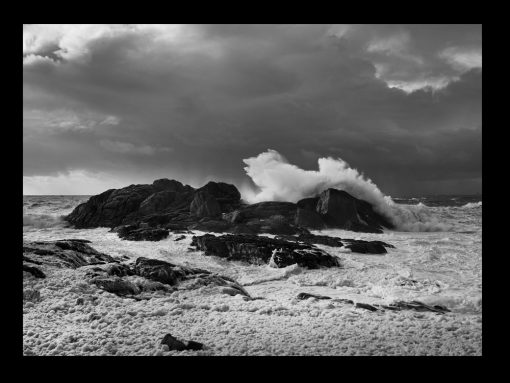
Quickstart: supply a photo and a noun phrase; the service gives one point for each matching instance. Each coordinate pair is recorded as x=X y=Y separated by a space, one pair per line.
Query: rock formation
x=217 y=207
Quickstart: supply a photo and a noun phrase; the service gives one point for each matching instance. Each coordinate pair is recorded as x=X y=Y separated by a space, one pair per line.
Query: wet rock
x=156 y=202
x=309 y=219
x=195 y=346
x=307 y=295
x=174 y=344
x=340 y=209
x=180 y=238
x=261 y=250
x=216 y=226
x=416 y=306
x=366 y=247
x=34 y=271
x=143 y=234
x=227 y=195
x=116 y=285
x=70 y=253
x=365 y=306
x=160 y=271
x=355 y=245
x=204 y=205
x=119 y=270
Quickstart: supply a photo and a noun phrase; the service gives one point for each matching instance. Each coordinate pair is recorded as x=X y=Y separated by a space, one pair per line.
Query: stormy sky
x=105 y=106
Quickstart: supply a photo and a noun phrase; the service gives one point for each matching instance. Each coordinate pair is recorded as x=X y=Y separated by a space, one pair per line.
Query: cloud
x=127 y=147
x=462 y=59
x=190 y=102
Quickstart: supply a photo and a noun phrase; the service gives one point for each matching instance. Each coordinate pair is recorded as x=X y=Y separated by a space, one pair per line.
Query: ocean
x=436 y=267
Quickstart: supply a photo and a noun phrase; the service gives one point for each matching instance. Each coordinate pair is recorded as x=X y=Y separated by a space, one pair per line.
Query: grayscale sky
x=105 y=106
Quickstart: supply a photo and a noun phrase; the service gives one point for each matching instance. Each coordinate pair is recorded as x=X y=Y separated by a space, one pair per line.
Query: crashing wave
x=42 y=220
x=279 y=180
x=472 y=205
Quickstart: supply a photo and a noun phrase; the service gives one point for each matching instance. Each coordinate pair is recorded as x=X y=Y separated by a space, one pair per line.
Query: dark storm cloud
x=400 y=103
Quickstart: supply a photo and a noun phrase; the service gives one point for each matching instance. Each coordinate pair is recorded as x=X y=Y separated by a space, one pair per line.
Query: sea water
x=435 y=267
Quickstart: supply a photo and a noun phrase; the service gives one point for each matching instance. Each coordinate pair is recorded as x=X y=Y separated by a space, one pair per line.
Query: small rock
x=365 y=306
x=192 y=345
x=173 y=343
x=307 y=295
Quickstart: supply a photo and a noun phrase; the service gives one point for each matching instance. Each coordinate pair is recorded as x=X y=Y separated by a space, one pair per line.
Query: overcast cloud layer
x=110 y=105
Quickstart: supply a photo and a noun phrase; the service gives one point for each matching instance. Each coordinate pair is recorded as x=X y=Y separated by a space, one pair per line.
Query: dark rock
x=264 y=210
x=216 y=226
x=320 y=239
x=180 y=238
x=34 y=271
x=308 y=203
x=131 y=234
x=176 y=345
x=344 y=211
x=157 y=202
x=167 y=185
x=310 y=219
x=30 y=260
x=204 y=205
x=416 y=306
x=342 y=300
x=366 y=247
x=195 y=346
x=160 y=271
x=357 y=246
x=365 y=306
x=116 y=285
x=109 y=208
x=227 y=195
x=115 y=207
x=65 y=253
x=261 y=250
x=119 y=270
x=307 y=295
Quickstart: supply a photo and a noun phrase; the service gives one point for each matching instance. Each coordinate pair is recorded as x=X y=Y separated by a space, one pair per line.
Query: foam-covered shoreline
x=277 y=325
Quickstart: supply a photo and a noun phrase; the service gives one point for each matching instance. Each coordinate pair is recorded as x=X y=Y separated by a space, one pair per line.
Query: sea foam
x=279 y=180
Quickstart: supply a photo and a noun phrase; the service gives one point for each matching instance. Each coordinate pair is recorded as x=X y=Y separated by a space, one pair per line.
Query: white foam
x=280 y=181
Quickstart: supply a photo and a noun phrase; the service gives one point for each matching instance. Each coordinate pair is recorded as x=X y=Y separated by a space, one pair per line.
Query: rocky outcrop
x=125 y=280
x=263 y=250
x=204 y=205
x=340 y=209
x=134 y=233
x=227 y=195
x=154 y=274
x=217 y=207
x=161 y=203
x=396 y=306
x=71 y=253
x=355 y=245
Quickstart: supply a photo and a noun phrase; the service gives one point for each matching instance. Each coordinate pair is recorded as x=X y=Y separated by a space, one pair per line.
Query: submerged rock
x=355 y=245
x=263 y=250
x=133 y=233
x=307 y=295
